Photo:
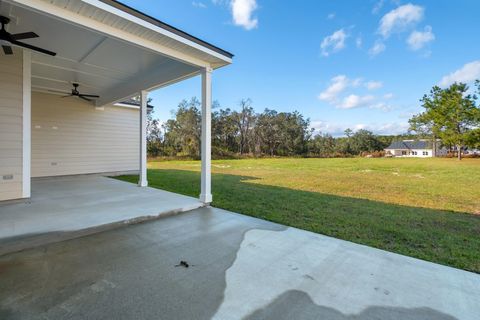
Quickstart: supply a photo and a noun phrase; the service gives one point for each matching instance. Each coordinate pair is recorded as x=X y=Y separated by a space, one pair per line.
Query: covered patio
x=66 y=70
x=68 y=207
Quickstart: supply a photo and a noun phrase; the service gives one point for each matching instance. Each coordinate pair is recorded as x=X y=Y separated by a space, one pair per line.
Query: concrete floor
x=240 y=267
x=65 y=207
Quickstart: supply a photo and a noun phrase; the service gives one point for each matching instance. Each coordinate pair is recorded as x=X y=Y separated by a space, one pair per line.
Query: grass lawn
x=425 y=208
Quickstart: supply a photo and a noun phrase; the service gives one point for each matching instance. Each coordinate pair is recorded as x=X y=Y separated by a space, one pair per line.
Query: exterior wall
x=420 y=153
x=70 y=136
x=394 y=152
x=11 y=125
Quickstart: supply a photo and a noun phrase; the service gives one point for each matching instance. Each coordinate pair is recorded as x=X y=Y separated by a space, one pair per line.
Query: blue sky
x=356 y=64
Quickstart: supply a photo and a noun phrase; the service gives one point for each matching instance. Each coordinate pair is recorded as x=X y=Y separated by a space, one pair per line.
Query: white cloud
x=198 y=4
x=377 y=48
x=372 y=85
x=388 y=128
x=333 y=43
x=356 y=82
x=400 y=19
x=468 y=73
x=336 y=94
x=331 y=16
x=337 y=85
x=388 y=96
x=381 y=106
x=359 y=42
x=418 y=39
x=338 y=129
x=242 y=12
x=378 y=6
x=356 y=101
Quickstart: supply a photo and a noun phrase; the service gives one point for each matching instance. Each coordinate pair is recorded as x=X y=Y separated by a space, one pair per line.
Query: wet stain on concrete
x=129 y=273
x=298 y=305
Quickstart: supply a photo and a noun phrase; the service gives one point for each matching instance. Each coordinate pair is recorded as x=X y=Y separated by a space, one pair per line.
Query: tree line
x=450 y=114
x=249 y=133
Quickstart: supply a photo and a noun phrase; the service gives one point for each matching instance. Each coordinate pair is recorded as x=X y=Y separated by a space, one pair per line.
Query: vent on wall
x=8 y=177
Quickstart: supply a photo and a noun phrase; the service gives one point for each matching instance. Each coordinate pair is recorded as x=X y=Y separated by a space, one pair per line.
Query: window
x=414 y=153
x=404 y=153
x=425 y=153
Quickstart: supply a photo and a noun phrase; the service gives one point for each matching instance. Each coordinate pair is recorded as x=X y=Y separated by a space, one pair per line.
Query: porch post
x=27 y=123
x=142 y=181
x=206 y=149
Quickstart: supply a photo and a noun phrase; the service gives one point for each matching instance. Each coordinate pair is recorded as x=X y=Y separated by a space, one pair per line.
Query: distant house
x=414 y=148
x=472 y=152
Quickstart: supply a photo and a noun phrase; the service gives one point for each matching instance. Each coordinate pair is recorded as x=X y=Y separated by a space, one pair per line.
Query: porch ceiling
x=101 y=63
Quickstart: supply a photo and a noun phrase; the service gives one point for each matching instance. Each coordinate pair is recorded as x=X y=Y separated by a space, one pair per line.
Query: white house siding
x=409 y=153
x=70 y=136
x=11 y=126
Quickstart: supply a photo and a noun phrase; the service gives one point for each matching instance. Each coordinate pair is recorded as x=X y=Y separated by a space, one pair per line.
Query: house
x=414 y=148
x=68 y=71
x=471 y=152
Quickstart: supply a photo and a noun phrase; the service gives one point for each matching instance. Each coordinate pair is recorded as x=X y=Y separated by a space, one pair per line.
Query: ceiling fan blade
x=86 y=99
x=25 y=35
x=7 y=49
x=58 y=91
x=89 y=95
x=28 y=46
x=68 y=95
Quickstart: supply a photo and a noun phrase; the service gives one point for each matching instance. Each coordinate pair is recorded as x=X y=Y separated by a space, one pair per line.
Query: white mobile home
x=415 y=148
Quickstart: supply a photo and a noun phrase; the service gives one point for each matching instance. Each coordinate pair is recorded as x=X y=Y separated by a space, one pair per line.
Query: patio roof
x=161 y=24
x=147 y=53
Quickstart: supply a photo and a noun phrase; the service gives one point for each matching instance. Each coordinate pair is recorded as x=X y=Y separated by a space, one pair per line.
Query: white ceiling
x=102 y=65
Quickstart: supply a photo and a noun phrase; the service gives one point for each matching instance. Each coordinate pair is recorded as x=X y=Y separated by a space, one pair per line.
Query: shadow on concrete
x=298 y=305
x=443 y=237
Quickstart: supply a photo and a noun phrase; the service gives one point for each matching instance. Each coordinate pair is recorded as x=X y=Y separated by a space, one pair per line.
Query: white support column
x=27 y=124
x=206 y=152
x=142 y=181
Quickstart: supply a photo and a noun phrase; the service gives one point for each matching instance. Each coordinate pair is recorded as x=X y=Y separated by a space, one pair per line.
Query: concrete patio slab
x=239 y=267
x=66 y=207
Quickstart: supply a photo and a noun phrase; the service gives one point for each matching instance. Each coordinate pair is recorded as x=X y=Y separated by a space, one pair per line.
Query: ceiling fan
x=76 y=93
x=13 y=39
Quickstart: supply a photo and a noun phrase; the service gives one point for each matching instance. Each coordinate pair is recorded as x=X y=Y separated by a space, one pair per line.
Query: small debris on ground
x=183 y=264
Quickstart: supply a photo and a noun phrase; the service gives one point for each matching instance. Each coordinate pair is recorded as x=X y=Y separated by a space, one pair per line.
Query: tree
x=267 y=131
x=224 y=132
x=450 y=114
x=183 y=134
x=244 y=121
x=154 y=136
x=365 y=141
x=322 y=145
x=348 y=132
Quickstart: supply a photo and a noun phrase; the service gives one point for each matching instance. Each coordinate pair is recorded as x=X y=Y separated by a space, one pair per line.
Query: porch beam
x=206 y=148
x=159 y=75
x=142 y=181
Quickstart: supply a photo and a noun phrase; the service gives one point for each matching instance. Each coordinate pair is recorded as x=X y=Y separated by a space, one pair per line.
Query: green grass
x=423 y=208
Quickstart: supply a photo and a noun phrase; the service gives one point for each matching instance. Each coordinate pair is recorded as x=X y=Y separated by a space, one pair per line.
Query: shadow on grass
x=439 y=236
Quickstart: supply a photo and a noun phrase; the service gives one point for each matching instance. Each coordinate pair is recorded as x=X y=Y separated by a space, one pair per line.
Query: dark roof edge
x=134 y=12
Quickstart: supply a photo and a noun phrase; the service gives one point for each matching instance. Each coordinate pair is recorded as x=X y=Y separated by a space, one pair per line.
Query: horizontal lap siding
x=11 y=125
x=69 y=136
